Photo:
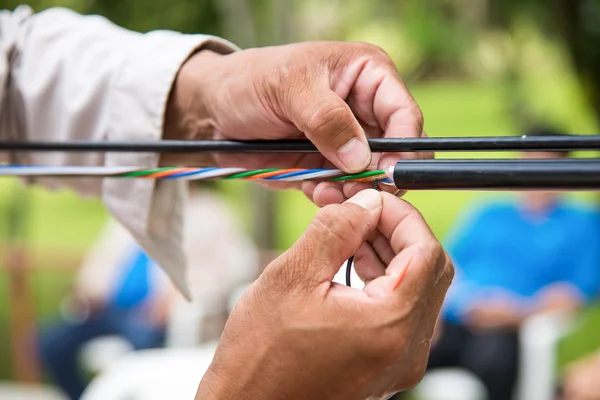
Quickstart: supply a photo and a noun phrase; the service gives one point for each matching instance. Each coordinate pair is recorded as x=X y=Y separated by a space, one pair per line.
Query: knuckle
x=280 y=85
x=335 y=223
x=377 y=51
x=419 y=118
x=283 y=272
x=414 y=375
x=330 y=118
x=437 y=252
x=448 y=272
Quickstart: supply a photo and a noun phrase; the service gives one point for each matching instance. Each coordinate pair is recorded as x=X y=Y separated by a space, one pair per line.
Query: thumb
x=329 y=123
x=333 y=236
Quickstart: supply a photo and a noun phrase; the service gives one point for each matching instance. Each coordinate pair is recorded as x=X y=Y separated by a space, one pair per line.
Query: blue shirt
x=133 y=286
x=499 y=246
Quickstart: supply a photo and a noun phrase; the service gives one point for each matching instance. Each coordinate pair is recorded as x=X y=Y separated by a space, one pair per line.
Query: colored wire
x=520 y=143
x=270 y=174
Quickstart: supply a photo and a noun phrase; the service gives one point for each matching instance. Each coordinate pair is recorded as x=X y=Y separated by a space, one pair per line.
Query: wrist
x=213 y=387
x=187 y=115
x=217 y=386
x=242 y=373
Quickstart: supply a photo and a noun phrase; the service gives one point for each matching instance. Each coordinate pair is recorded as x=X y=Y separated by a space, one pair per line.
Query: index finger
x=402 y=224
x=399 y=117
x=381 y=99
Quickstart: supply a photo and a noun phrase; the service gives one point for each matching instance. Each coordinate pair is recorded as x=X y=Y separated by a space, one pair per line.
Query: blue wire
x=296 y=173
x=188 y=173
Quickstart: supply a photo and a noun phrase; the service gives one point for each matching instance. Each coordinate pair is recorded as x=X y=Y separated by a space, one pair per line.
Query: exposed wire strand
x=270 y=174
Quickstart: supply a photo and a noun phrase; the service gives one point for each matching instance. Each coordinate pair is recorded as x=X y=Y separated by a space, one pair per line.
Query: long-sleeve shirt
x=500 y=250
x=65 y=77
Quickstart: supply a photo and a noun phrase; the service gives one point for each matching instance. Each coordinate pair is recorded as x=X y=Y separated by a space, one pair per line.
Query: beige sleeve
x=64 y=76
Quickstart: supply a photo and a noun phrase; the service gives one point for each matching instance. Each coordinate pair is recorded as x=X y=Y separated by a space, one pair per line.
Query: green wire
x=359 y=175
x=250 y=173
x=145 y=172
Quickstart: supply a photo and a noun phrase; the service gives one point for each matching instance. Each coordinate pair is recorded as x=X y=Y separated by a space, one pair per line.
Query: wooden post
x=20 y=296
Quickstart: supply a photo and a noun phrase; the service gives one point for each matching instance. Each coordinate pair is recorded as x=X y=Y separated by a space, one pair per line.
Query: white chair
x=183 y=331
x=450 y=384
x=153 y=374
x=539 y=338
x=170 y=373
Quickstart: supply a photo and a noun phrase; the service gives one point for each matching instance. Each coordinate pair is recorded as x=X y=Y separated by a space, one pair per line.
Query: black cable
x=349 y=271
x=351 y=259
x=523 y=143
x=505 y=174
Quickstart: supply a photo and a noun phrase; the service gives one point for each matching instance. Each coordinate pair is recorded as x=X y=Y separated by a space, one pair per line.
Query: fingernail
x=355 y=155
x=369 y=199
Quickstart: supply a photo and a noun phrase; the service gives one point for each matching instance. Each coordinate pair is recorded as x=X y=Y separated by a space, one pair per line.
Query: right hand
x=296 y=335
x=494 y=314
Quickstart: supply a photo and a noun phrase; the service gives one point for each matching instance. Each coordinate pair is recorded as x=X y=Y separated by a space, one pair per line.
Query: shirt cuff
x=151 y=210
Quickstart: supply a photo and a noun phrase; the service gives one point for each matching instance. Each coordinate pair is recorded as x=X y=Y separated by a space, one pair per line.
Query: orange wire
x=273 y=173
x=170 y=172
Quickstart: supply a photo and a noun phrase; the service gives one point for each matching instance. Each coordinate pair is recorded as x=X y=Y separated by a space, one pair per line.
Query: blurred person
x=67 y=77
x=120 y=291
x=514 y=258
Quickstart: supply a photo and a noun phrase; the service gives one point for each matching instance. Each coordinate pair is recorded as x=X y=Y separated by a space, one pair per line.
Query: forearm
x=187 y=115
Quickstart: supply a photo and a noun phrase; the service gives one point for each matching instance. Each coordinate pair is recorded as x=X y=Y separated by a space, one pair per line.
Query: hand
x=494 y=315
x=296 y=335
x=581 y=380
x=335 y=94
x=560 y=297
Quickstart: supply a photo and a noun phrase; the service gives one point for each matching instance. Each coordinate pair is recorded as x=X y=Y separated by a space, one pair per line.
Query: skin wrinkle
x=377 y=87
x=342 y=225
x=397 y=244
x=346 y=82
x=367 y=264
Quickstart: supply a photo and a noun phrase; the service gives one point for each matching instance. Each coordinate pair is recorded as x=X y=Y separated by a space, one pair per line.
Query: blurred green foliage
x=476 y=67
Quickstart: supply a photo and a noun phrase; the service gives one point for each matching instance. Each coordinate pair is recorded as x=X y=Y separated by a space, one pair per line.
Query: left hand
x=335 y=94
